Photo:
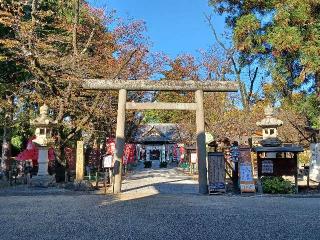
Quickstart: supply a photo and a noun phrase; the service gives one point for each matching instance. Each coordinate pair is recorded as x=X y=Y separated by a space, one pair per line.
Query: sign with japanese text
x=315 y=162
x=234 y=151
x=107 y=161
x=267 y=166
x=245 y=171
x=80 y=161
x=193 y=158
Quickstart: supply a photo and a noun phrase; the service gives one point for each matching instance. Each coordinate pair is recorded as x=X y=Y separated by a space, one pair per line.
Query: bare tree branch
x=237 y=69
x=96 y=101
x=252 y=81
x=89 y=39
x=76 y=6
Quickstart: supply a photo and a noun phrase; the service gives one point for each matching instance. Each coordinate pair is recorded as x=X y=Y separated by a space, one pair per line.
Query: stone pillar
x=80 y=161
x=43 y=179
x=43 y=161
x=147 y=153
x=201 y=143
x=120 y=140
x=163 y=153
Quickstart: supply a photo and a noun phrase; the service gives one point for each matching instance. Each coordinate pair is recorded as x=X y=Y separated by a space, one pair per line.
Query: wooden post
x=308 y=179
x=121 y=119
x=97 y=180
x=111 y=180
x=105 y=180
x=80 y=161
x=296 y=172
x=201 y=143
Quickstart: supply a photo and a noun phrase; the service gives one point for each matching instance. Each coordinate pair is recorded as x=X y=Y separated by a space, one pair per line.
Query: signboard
x=245 y=171
x=193 y=157
x=217 y=187
x=234 y=151
x=148 y=154
x=247 y=188
x=267 y=166
x=163 y=153
x=80 y=161
x=107 y=161
x=216 y=172
x=315 y=162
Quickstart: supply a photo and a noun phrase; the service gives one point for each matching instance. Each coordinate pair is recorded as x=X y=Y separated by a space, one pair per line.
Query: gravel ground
x=158 y=180
x=150 y=208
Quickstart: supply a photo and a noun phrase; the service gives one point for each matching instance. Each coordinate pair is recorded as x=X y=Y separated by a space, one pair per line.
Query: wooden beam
x=160 y=85
x=161 y=105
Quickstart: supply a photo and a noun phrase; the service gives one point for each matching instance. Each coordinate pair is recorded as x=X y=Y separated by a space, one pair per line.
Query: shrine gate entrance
x=199 y=87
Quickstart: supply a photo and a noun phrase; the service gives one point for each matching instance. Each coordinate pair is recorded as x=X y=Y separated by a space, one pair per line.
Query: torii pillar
x=120 y=140
x=199 y=87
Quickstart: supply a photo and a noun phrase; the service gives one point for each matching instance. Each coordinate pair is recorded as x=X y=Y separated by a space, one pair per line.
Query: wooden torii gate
x=199 y=87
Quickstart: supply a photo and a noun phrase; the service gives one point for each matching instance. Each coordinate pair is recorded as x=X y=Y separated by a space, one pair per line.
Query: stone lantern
x=269 y=127
x=43 y=140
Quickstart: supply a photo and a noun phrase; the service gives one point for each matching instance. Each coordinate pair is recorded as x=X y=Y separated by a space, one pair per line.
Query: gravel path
x=154 y=207
x=159 y=180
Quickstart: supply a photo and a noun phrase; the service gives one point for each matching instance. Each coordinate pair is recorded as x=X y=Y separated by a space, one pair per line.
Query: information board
x=267 y=166
x=315 y=162
x=216 y=172
x=193 y=157
x=107 y=161
x=245 y=171
x=234 y=151
x=80 y=161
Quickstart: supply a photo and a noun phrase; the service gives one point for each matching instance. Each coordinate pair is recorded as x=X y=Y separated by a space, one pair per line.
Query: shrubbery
x=147 y=164
x=163 y=164
x=184 y=165
x=276 y=185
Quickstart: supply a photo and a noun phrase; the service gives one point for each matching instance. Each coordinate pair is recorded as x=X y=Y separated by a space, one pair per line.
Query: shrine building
x=158 y=142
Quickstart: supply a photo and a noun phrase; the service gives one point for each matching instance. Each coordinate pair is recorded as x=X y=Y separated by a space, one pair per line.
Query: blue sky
x=173 y=26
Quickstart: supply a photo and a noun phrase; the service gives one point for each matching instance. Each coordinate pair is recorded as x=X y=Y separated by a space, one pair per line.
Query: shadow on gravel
x=38 y=191
x=168 y=187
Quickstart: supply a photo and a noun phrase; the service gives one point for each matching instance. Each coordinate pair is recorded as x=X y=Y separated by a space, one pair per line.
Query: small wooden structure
x=274 y=158
x=278 y=161
x=157 y=142
x=216 y=173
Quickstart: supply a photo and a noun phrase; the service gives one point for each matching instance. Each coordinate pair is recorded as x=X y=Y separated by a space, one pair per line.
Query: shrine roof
x=151 y=133
x=292 y=148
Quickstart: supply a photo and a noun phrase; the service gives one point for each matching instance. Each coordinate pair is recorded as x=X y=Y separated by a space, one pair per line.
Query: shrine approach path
x=155 y=180
x=155 y=204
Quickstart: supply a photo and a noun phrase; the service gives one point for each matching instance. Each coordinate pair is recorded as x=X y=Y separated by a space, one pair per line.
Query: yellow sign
x=80 y=161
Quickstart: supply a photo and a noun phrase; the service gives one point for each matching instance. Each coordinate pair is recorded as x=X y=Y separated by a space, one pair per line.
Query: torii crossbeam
x=199 y=87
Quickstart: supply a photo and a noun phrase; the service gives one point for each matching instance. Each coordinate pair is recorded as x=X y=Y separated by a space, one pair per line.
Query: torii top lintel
x=160 y=85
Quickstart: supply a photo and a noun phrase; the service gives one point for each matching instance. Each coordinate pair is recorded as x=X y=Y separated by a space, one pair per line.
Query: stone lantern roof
x=269 y=127
x=44 y=125
x=43 y=120
x=269 y=120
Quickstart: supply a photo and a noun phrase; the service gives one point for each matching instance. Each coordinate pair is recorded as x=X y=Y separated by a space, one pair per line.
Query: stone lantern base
x=43 y=181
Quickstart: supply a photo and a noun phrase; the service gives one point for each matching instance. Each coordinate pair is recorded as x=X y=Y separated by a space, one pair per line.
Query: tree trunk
x=33 y=12
x=6 y=151
x=317 y=84
x=76 y=8
x=61 y=162
x=6 y=138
